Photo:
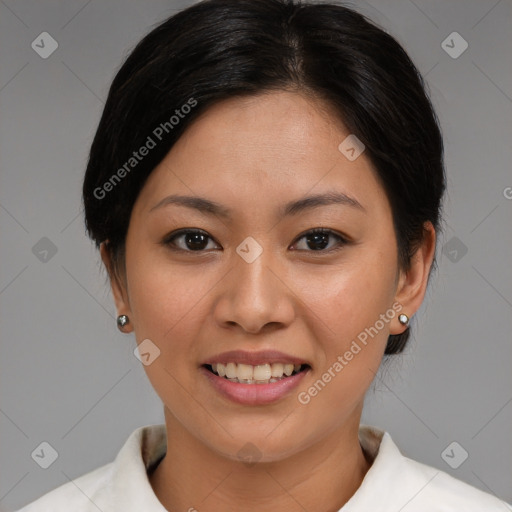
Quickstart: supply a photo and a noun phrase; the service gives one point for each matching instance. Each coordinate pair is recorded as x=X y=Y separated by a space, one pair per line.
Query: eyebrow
x=207 y=206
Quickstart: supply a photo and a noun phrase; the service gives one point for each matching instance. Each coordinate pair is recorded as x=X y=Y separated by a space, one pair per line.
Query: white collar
x=393 y=483
x=147 y=445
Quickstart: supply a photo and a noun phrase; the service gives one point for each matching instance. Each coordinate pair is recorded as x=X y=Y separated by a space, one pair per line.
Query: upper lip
x=254 y=358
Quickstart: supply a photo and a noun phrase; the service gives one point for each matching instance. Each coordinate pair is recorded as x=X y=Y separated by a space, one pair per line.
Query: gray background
x=68 y=376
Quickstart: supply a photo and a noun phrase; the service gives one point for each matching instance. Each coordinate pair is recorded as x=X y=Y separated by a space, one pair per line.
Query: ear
x=118 y=286
x=412 y=283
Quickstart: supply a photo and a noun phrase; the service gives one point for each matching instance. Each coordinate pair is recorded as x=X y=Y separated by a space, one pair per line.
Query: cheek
x=350 y=297
x=166 y=305
x=347 y=305
x=164 y=300
x=352 y=337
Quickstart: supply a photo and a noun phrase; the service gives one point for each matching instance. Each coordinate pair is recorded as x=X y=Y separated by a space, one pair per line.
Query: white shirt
x=393 y=483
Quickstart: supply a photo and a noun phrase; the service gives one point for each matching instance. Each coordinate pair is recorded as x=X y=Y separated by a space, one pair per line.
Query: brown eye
x=318 y=239
x=190 y=240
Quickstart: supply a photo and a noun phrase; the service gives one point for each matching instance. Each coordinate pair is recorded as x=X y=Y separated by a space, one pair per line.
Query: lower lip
x=254 y=394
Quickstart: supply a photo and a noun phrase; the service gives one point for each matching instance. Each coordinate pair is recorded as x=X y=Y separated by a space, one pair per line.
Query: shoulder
x=396 y=482
x=119 y=485
x=77 y=495
x=447 y=493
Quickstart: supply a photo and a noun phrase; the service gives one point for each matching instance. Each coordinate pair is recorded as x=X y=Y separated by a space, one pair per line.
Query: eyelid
x=327 y=231
x=168 y=239
x=343 y=240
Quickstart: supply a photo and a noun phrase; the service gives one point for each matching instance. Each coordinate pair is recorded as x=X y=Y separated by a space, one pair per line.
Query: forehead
x=275 y=123
x=268 y=148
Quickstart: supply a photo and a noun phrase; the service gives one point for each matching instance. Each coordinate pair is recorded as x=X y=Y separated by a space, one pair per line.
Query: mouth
x=266 y=373
x=254 y=385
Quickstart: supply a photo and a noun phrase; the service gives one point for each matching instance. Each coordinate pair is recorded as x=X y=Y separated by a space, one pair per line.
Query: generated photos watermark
x=151 y=142
x=304 y=397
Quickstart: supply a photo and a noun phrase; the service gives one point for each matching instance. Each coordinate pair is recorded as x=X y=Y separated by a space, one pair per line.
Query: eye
x=195 y=240
x=192 y=240
x=318 y=239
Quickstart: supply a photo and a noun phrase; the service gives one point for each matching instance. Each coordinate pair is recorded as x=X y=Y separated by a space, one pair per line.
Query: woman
x=265 y=188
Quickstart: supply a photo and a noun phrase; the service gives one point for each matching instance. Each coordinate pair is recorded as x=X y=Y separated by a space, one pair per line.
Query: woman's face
x=258 y=282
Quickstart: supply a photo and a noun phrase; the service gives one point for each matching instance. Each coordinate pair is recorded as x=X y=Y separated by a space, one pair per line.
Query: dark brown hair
x=218 y=49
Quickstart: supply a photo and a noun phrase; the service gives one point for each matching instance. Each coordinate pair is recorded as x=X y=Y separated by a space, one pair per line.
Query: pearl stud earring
x=403 y=319
x=122 y=320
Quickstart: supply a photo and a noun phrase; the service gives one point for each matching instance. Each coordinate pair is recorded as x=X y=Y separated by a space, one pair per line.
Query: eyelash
x=169 y=239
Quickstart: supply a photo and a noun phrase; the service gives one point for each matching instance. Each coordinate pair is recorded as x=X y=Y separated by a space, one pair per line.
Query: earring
x=403 y=319
x=122 y=320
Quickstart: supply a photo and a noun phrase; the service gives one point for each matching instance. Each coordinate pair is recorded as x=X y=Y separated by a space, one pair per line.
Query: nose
x=255 y=296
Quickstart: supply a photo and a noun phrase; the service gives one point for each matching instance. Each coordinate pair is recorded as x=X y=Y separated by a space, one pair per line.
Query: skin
x=253 y=155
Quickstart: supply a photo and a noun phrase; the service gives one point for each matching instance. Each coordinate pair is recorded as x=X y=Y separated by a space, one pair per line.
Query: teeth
x=288 y=369
x=277 y=370
x=259 y=374
x=231 y=371
x=245 y=372
x=262 y=372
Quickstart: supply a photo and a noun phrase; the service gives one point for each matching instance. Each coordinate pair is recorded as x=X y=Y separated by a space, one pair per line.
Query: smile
x=258 y=374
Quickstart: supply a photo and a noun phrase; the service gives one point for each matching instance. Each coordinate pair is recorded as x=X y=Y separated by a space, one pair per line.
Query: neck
x=322 y=477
